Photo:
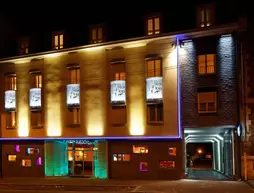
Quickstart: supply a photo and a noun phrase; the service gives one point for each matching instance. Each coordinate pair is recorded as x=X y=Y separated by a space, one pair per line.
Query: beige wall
x=95 y=87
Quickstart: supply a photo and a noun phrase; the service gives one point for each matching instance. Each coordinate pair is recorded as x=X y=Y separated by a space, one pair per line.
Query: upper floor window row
x=205 y=16
x=206 y=64
x=153 y=26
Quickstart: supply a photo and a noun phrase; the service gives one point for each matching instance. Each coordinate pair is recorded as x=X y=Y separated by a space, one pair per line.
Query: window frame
x=154 y=65
x=58 y=35
x=36 y=81
x=153 y=31
x=149 y=121
x=96 y=35
x=207 y=103
x=75 y=111
x=11 y=84
x=206 y=66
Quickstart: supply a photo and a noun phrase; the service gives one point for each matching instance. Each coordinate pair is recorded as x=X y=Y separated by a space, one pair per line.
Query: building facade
x=122 y=109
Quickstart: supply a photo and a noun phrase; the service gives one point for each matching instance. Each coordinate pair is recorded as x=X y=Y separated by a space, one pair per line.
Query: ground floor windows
x=121 y=157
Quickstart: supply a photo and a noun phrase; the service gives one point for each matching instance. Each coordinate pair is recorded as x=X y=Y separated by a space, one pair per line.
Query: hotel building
x=122 y=109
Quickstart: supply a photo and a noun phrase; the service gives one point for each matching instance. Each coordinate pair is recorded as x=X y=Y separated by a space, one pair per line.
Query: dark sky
x=58 y=14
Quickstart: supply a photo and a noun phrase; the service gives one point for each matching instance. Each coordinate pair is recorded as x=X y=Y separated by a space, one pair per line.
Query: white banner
x=35 y=98
x=117 y=91
x=10 y=100
x=154 y=88
x=73 y=95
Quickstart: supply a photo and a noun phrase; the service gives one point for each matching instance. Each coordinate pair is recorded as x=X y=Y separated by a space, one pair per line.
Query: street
x=181 y=186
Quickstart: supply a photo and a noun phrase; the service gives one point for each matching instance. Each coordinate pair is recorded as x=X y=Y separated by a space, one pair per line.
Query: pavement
x=78 y=185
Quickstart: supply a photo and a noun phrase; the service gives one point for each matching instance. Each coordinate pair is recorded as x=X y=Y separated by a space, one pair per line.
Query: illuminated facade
x=107 y=110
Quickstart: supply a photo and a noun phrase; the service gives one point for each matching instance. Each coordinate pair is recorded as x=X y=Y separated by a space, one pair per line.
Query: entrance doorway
x=80 y=160
x=209 y=153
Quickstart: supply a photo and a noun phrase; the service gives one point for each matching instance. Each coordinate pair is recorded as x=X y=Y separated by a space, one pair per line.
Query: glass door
x=78 y=163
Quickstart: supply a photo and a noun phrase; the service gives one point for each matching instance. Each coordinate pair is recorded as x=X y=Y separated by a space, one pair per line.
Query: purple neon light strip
x=91 y=138
x=178 y=89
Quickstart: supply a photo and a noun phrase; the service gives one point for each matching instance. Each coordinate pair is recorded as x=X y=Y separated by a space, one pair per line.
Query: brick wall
x=224 y=81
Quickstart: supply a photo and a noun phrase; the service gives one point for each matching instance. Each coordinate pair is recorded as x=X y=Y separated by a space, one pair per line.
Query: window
x=58 y=41
x=140 y=149
x=120 y=76
x=153 y=25
x=73 y=96
x=12 y=158
x=74 y=75
x=10 y=120
x=36 y=80
x=24 y=45
x=154 y=68
x=118 y=116
x=206 y=64
x=205 y=17
x=36 y=119
x=167 y=164
x=143 y=166
x=10 y=100
x=36 y=114
x=207 y=102
x=97 y=36
x=121 y=157
x=10 y=82
x=26 y=163
x=155 y=113
x=172 y=151
x=31 y=151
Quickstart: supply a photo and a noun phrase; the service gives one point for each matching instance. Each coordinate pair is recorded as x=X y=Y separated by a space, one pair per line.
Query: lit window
x=36 y=80
x=172 y=151
x=26 y=163
x=143 y=166
x=205 y=17
x=121 y=157
x=31 y=151
x=206 y=64
x=12 y=158
x=97 y=36
x=155 y=113
x=74 y=75
x=154 y=68
x=120 y=76
x=58 y=41
x=10 y=82
x=207 y=102
x=167 y=164
x=153 y=25
x=140 y=149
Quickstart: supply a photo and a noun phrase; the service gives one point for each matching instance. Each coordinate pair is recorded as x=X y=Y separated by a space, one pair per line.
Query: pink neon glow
x=141 y=167
x=39 y=161
x=17 y=148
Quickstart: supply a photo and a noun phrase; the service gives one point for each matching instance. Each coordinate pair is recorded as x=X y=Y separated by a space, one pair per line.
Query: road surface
x=181 y=186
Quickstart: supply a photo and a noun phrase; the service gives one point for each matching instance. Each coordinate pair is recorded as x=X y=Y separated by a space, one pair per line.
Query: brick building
x=122 y=109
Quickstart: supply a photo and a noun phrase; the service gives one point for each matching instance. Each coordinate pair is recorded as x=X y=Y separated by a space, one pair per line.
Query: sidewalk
x=72 y=181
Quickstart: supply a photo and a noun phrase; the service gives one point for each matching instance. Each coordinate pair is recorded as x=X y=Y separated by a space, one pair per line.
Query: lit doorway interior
x=80 y=160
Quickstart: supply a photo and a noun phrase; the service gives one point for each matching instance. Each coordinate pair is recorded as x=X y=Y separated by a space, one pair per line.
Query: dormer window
x=23 y=46
x=96 y=35
x=57 y=41
x=153 y=25
x=206 y=16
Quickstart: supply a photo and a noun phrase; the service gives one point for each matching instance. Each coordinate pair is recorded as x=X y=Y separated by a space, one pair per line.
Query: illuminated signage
x=154 y=88
x=35 y=98
x=117 y=92
x=10 y=100
x=73 y=95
